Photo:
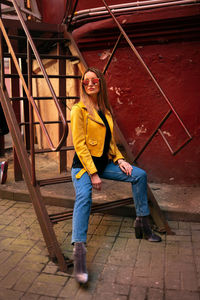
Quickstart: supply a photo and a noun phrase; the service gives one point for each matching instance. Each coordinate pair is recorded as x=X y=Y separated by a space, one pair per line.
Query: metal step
x=45 y=56
x=55 y=218
x=47 y=39
x=41 y=76
x=55 y=180
x=47 y=150
x=46 y=98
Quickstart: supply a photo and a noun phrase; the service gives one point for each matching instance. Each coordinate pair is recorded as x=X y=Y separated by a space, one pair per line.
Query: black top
x=102 y=161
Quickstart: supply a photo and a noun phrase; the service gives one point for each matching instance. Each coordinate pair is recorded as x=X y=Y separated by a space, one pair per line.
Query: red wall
x=139 y=107
x=174 y=59
x=168 y=40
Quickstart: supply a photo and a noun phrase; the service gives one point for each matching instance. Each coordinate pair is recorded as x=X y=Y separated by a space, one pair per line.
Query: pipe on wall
x=128 y=7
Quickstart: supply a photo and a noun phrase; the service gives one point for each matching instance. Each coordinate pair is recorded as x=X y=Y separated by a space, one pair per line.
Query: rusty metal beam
x=62 y=91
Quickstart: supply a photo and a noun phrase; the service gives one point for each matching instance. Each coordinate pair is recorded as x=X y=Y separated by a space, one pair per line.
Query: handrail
x=30 y=98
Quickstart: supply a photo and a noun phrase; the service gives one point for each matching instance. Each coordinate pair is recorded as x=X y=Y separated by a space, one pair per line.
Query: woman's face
x=91 y=83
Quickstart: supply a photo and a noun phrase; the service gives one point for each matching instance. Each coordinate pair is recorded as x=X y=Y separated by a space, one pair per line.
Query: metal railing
x=31 y=100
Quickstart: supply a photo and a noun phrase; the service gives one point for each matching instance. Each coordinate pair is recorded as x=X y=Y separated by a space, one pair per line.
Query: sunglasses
x=94 y=81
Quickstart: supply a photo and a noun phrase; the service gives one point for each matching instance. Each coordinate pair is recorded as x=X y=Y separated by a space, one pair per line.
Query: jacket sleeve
x=79 y=140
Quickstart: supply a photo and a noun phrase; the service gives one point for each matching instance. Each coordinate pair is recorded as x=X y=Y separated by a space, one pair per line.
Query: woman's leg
x=138 y=179
x=81 y=212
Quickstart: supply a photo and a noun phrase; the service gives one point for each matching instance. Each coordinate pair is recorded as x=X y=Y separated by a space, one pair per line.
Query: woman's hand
x=125 y=167
x=96 y=181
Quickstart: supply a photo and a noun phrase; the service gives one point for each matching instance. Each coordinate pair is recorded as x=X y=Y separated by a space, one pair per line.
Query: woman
x=96 y=157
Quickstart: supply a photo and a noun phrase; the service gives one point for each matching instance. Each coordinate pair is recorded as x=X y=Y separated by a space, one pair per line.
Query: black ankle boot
x=143 y=229
x=80 y=271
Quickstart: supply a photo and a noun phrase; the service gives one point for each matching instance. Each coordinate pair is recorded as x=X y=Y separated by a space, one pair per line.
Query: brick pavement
x=120 y=267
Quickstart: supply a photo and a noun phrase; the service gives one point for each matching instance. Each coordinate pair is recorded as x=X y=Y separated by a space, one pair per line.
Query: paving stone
x=120 y=243
x=109 y=273
x=48 y=298
x=184 y=225
x=92 y=228
x=196 y=236
x=5 y=220
x=127 y=222
x=56 y=279
x=120 y=266
x=95 y=219
x=173 y=224
x=8 y=233
x=5 y=242
x=25 y=280
x=6 y=294
x=29 y=296
x=14 y=211
x=83 y=294
x=91 y=252
x=37 y=259
x=11 y=278
x=7 y=203
x=101 y=255
x=103 y=287
x=122 y=258
x=195 y=226
x=101 y=230
x=140 y=281
x=183 y=295
x=155 y=294
x=10 y=263
x=124 y=275
x=178 y=238
x=45 y=288
x=70 y=290
x=95 y=270
x=113 y=222
x=4 y=255
x=138 y=293
x=101 y=241
x=37 y=267
x=132 y=244
x=109 y=296
x=23 y=204
x=173 y=280
x=126 y=234
x=50 y=269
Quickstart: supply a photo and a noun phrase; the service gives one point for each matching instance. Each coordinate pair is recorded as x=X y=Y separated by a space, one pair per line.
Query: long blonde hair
x=102 y=97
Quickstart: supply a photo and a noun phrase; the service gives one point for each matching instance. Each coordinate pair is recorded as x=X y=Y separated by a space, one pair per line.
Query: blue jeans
x=83 y=190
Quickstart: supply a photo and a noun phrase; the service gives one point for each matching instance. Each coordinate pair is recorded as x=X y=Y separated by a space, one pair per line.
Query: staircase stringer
x=82 y=65
x=34 y=190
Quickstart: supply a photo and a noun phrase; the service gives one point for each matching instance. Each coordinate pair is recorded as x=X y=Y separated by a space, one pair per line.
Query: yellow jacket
x=88 y=133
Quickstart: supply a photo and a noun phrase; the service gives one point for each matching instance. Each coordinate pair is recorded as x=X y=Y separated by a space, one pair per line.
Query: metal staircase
x=15 y=36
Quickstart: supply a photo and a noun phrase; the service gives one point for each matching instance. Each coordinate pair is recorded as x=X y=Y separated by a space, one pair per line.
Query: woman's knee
x=139 y=173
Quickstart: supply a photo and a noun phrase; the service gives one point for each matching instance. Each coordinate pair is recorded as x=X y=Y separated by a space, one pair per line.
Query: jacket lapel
x=97 y=118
